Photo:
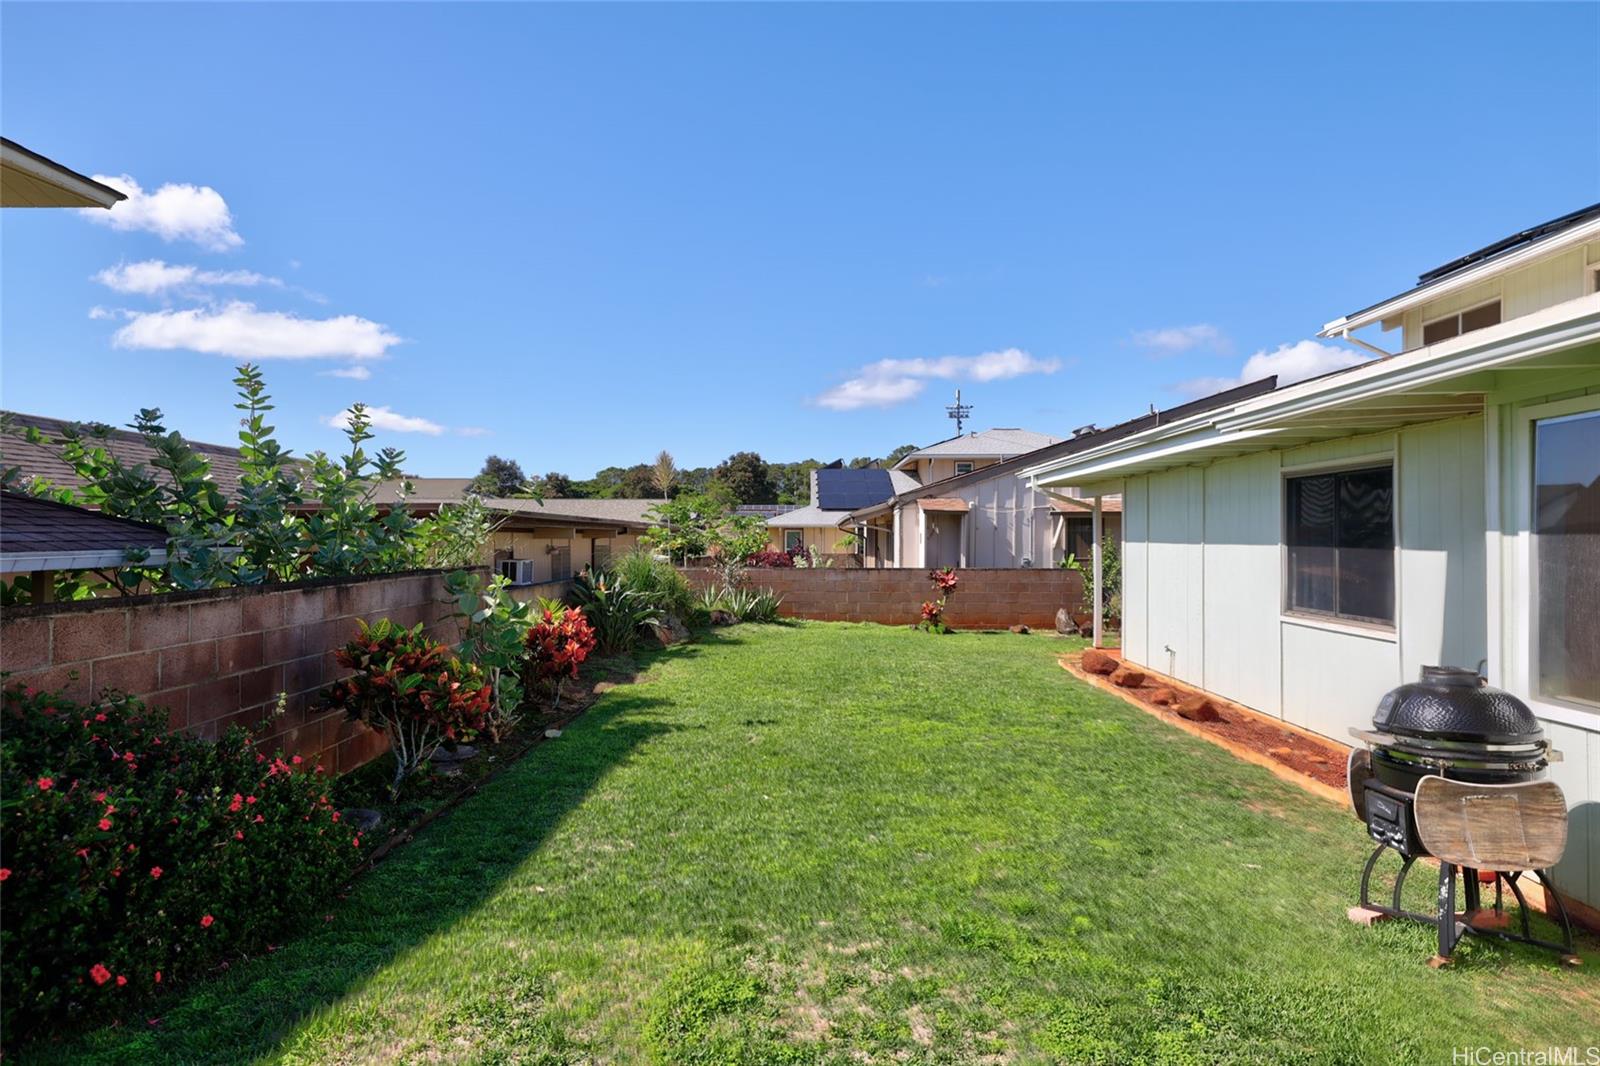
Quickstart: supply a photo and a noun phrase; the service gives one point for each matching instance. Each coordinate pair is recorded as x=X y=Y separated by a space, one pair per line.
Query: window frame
x=1458 y=315
x=800 y=539
x=1332 y=619
x=963 y=463
x=1524 y=599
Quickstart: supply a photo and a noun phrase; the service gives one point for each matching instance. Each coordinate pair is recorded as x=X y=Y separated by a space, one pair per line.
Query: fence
x=221 y=657
x=984 y=599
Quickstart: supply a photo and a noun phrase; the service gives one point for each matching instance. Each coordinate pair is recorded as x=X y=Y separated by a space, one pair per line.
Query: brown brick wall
x=985 y=599
x=220 y=658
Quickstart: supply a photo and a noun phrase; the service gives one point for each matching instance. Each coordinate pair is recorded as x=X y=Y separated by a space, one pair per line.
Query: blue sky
x=577 y=235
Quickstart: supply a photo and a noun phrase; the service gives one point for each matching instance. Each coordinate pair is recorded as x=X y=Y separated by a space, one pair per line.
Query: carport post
x=1099 y=634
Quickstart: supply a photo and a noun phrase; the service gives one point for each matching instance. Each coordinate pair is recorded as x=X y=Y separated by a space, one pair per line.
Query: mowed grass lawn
x=834 y=843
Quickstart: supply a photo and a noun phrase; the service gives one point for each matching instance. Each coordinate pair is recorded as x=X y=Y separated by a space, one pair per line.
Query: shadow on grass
x=420 y=891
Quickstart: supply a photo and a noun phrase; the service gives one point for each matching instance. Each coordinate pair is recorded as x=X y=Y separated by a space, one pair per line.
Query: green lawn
x=836 y=843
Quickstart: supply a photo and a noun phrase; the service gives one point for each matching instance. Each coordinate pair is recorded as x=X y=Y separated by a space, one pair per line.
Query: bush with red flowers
x=412 y=690
x=134 y=857
x=771 y=559
x=557 y=645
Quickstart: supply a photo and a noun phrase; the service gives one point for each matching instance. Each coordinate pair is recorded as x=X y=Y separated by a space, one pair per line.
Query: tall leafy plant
x=271 y=547
x=347 y=533
x=493 y=636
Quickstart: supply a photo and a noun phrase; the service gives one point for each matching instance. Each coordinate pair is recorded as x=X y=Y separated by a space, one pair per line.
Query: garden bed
x=1314 y=762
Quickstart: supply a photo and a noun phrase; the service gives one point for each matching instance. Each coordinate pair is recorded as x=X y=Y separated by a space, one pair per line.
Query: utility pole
x=959 y=411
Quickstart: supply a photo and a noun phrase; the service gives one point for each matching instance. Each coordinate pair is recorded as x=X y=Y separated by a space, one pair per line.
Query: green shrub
x=135 y=857
x=657 y=580
x=616 y=612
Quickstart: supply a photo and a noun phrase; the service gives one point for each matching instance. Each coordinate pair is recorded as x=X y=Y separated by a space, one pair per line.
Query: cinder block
x=188 y=664
x=158 y=626
x=137 y=674
x=88 y=635
x=25 y=644
x=240 y=652
x=261 y=611
x=214 y=618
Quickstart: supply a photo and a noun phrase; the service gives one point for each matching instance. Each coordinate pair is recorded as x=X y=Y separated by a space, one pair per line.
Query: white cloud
x=473 y=431
x=239 y=330
x=152 y=277
x=354 y=373
x=891 y=381
x=1176 y=340
x=384 y=418
x=1290 y=362
x=196 y=213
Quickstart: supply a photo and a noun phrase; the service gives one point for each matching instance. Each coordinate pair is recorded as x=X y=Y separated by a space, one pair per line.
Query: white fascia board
x=25 y=562
x=61 y=177
x=1467 y=278
x=1549 y=330
x=1164 y=452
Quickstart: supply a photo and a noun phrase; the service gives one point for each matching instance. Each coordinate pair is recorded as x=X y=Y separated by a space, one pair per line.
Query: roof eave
x=1464 y=279
x=52 y=173
x=26 y=562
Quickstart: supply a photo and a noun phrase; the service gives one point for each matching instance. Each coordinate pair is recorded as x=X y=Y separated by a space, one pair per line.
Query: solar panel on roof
x=846 y=490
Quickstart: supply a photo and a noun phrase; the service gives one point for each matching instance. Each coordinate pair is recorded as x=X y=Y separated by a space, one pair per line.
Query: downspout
x=1099 y=594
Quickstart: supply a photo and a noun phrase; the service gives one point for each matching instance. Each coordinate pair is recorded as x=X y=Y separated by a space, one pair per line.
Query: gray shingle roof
x=44 y=460
x=985 y=444
x=35 y=528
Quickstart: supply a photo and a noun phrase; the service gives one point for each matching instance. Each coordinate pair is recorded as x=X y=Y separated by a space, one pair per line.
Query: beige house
x=834 y=491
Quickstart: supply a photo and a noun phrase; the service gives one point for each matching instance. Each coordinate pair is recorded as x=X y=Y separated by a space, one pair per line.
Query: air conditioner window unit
x=517 y=571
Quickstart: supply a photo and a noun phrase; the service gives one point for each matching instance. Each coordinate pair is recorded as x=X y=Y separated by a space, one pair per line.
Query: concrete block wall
x=220 y=657
x=985 y=599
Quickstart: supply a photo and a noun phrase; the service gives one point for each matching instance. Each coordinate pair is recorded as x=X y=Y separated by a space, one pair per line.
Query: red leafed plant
x=944 y=583
x=558 y=643
x=410 y=689
x=770 y=558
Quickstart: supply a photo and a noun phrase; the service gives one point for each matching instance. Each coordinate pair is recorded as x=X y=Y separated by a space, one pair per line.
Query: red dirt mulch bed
x=1247 y=733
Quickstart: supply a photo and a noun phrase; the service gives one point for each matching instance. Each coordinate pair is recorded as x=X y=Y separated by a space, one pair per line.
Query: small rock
x=445 y=758
x=1163 y=697
x=1096 y=661
x=361 y=819
x=551 y=734
x=670 y=630
x=1196 y=708
x=722 y=618
x=1021 y=629
x=1128 y=677
x=1064 y=622
x=1280 y=752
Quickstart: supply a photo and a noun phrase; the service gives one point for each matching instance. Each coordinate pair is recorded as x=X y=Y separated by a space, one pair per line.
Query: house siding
x=1531 y=288
x=1203 y=586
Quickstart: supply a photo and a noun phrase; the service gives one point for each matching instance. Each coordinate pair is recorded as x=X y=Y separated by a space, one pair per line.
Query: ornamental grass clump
x=412 y=690
x=135 y=858
x=557 y=645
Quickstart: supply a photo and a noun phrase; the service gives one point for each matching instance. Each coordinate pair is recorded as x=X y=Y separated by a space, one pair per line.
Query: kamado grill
x=1453 y=770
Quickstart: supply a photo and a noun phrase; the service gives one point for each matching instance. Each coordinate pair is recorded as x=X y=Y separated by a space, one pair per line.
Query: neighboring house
x=973 y=451
x=41 y=537
x=835 y=492
x=43 y=460
x=28 y=179
x=993 y=516
x=1305 y=550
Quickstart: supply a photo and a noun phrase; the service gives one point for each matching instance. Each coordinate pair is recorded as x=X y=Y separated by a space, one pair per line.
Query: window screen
x=1566 y=545
x=1339 y=531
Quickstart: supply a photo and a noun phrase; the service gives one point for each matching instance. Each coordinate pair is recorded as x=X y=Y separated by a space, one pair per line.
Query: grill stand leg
x=1449 y=932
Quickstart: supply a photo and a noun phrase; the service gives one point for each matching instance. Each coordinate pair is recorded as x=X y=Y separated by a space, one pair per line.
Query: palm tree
x=664 y=472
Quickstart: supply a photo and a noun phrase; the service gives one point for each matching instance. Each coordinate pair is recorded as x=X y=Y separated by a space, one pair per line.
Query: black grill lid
x=1449 y=703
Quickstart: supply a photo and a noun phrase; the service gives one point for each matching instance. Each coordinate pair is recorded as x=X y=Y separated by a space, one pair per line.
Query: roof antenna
x=958 y=411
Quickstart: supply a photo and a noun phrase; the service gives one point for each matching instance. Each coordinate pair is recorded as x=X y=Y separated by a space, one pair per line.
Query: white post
x=894 y=552
x=1099 y=596
x=922 y=538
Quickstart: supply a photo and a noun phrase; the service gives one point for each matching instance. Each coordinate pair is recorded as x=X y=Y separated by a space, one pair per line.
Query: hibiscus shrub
x=412 y=690
x=558 y=643
x=134 y=857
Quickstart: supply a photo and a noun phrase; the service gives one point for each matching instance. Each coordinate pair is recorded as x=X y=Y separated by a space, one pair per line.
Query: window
x=792 y=540
x=963 y=468
x=1339 y=531
x=1453 y=325
x=602 y=551
x=1566 y=551
x=1080 y=536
